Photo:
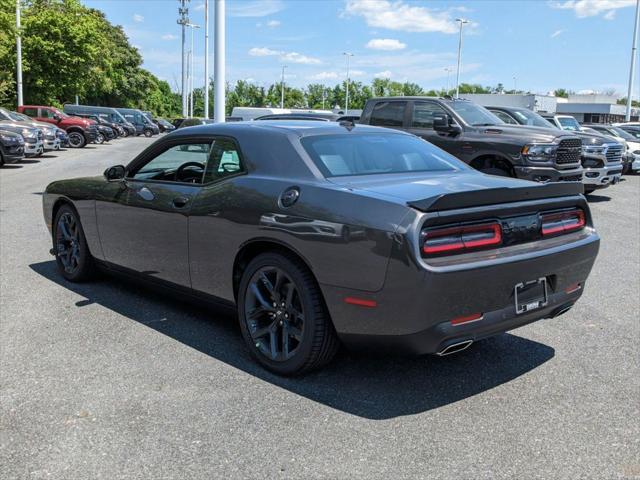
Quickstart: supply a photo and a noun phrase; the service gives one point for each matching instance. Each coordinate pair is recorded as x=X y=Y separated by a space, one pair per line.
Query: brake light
x=467 y=319
x=459 y=239
x=562 y=222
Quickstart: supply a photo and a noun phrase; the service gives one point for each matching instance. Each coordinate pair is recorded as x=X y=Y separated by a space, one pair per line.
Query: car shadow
x=27 y=161
x=372 y=387
x=10 y=166
x=591 y=198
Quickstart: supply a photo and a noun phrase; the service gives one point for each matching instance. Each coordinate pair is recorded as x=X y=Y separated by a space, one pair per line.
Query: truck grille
x=614 y=153
x=569 y=151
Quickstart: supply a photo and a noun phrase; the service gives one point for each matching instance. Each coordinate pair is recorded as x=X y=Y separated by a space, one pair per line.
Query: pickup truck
x=80 y=130
x=479 y=138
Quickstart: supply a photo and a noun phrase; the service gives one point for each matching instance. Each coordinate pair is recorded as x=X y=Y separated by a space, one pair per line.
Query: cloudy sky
x=574 y=44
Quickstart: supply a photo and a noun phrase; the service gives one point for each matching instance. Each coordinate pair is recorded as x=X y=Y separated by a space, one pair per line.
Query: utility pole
x=206 y=58
x=183 y=11
x=346 y=106
x=219 y=61
x=19 y=54
x=324 y=96
x=193 y=26
x=632 y=71
x=282 y=88
x=462 y=22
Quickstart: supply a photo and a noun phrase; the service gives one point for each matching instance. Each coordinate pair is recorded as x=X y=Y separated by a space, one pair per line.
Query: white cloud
x=199 y=7
x=138 y=18
x=592 y=8
x=273 y=23
x=610 y=15
x=399 y=15
x=556 y=33
x=324 y=76
x=291 y=57
x=169 y=36
x=385 y=44
x=263 y=52
x=356 y=73
x=295 y=57
x=255 y=8
x=385 y=74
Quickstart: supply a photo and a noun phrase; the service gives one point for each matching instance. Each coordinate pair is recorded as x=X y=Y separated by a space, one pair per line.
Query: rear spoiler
x=492 y=196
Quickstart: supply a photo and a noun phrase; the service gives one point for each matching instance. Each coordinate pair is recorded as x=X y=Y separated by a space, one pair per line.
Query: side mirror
x=115 y=173
x=443 y=123
x=56 y=117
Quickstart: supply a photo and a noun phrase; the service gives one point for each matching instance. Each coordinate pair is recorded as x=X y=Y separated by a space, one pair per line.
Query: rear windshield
x=376 y=153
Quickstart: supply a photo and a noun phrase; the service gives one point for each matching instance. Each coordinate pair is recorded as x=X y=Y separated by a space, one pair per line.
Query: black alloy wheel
x=70 y=246
x=283 y=317
x=148 y=133
x=76 y=140
x=100 y=139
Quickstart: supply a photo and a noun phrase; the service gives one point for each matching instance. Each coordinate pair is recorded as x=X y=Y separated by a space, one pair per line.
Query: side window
x=46 y=113
x=388 y=114
x=224 y=160
x=182 y=163
x=504 y=117
x=31 y=112
x=423 y=113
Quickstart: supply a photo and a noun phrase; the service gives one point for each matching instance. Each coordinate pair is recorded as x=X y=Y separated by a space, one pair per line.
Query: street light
x=19 y=54
x=346 y=103
x=462 y=22
x=448 y=70
x=282 y=87
x=183 y=11
x=193 y=26
x=633 y=63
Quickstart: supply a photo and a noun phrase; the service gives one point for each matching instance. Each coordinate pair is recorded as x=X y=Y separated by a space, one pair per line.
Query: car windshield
x=527 y=117
x=622 y=134
x=376 y=153
x=474 y=115
x=569 y=123
x=20 y=117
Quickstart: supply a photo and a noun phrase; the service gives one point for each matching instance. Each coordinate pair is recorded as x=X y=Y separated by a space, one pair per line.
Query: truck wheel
x=282 y=314
x=497 y=171
x=76 y=140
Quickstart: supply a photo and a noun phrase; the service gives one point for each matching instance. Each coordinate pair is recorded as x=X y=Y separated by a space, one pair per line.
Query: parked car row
x=35 y=129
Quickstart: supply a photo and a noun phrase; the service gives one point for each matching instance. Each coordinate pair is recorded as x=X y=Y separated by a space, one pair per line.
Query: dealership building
x=588 y=108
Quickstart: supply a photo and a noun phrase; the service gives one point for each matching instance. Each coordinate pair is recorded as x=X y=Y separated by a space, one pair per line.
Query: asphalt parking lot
x=107 y=380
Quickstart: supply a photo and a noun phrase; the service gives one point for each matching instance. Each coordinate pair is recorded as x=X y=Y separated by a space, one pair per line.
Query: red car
x=80 y=130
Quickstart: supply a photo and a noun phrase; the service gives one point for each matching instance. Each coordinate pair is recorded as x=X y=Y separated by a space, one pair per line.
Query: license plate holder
x=531 y=295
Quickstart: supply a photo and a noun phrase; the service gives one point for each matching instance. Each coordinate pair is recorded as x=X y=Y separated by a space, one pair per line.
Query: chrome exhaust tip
x=455 y=348
x=562 y=311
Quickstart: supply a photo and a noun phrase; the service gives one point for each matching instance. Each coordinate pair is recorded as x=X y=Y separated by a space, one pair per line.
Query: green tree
x=562 y=92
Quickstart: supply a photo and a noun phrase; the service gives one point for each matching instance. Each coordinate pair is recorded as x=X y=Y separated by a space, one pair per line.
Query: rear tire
x=100 y=139
x=77 y=140
x=74 y=261
x=283 y=317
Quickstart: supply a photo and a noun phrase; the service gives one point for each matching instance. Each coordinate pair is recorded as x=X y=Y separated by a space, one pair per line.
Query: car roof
x=300 y=128
x=306 y=115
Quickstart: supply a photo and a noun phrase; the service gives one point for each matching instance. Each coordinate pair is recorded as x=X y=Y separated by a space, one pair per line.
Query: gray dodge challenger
x=322 y=233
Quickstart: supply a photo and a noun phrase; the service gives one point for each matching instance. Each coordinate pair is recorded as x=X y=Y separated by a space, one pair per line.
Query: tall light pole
x=219 y=63
x=206 y=58
x=632 y=71
x=193 y=26
x=282 y=87
x=448 y=70
x=324 y=96
x=183 y=11
x=346 y=103
x=19 y=54
x=462 y=22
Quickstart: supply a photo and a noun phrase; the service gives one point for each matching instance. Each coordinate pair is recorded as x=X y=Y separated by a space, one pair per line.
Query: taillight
x=462 y=238
x=562 y=222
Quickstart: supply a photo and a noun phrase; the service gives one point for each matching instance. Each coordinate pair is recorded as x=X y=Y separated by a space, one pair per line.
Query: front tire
x=77 y=140
x=70 y=246
x=282 y=315
x=100 y=139
x=148 y=133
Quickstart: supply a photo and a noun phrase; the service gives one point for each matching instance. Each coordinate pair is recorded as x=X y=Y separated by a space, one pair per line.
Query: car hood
x=407 y=188
x=16 y=127
x=526 y=133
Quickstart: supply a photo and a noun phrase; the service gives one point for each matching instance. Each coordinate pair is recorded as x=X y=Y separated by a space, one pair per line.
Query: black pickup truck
x=479 y=138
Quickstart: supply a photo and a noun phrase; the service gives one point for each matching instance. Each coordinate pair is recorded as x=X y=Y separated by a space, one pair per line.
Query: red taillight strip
x=457 y=238
x=560 y=222
x=474 y=317
x=361 y=302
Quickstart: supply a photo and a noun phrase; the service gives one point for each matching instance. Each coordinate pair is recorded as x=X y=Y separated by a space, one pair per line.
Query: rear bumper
x=414 y=309
x=549 y=174
x=603 y=177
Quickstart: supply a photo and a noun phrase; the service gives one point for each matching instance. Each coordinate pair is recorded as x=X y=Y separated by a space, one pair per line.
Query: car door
x=420 y=123
x=143 y=220
x=46 y=115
